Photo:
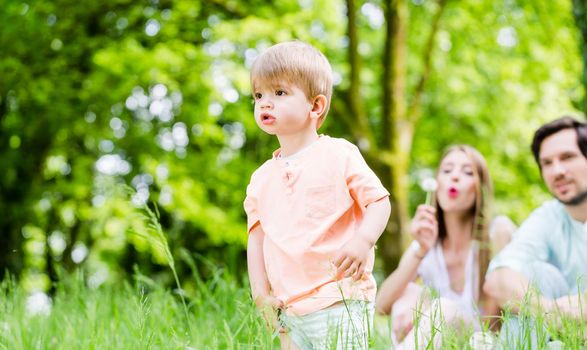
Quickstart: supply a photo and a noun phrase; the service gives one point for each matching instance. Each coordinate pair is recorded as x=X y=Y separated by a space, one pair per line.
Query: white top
x=434 y=274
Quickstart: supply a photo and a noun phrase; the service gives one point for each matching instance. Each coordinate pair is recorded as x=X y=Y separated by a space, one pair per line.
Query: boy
x=315 y=210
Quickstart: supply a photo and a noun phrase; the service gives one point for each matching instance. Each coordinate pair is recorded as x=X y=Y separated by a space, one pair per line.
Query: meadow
x=212 y=312
x=142 y=314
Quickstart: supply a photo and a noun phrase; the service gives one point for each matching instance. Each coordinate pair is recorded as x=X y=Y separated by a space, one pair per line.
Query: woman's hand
x=424 y=228
x=403 y=324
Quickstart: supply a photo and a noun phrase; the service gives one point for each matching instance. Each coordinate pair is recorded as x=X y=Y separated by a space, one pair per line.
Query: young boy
x=315 y=210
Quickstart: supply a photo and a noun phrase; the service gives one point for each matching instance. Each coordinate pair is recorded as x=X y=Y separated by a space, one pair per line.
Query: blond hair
x=479 y=212
x=297 y=63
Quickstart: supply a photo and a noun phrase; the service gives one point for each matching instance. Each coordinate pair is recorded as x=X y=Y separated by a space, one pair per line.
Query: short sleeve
x=250 y=205
x=364 y=186
x=529 y=243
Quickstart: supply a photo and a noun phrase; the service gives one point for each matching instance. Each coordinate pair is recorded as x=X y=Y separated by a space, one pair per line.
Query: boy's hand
x=352 y=258
x=269 y=306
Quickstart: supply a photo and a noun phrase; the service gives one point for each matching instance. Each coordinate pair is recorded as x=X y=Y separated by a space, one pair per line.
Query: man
x=549 y=250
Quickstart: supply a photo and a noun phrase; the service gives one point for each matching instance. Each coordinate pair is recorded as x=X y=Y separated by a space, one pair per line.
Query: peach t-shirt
x=309 y=205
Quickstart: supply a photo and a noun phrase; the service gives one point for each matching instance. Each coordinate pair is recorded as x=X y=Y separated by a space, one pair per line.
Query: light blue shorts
x=343 y=326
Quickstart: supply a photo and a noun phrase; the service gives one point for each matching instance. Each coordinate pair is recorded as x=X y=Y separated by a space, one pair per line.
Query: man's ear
x=318 y=107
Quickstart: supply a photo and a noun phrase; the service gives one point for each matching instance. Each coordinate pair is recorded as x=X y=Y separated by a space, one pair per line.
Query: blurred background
x=108 y=106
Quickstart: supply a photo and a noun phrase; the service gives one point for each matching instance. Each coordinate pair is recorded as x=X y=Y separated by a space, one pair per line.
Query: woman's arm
x=424 y=229
x=393 y=287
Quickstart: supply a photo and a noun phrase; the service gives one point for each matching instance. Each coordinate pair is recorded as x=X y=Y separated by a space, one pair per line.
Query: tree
x=390 y=149
x=580 y=15
x=156 y=96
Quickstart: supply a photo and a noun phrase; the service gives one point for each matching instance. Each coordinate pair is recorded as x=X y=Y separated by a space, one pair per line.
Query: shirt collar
x=277 y=152
x=579 y=225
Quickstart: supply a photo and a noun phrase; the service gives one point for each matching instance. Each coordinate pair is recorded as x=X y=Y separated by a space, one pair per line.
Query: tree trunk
x=395 y=127
x=580 y=14
x=390 y=158
x=358 y=121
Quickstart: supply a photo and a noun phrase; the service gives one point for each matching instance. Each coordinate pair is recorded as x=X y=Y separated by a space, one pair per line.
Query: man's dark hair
x=555 y=126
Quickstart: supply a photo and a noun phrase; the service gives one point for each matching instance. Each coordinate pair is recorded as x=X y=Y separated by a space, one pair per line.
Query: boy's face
x=282 y=109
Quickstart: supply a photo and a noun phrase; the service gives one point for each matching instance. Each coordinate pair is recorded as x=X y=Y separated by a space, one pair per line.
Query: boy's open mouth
x=267 y=119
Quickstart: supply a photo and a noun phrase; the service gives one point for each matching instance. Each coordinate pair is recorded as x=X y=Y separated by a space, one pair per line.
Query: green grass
x=216 y=313
x=138 y=316
x=143 y=315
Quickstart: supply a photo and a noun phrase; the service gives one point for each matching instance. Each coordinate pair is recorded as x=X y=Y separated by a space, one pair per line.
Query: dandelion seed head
x=429 y=184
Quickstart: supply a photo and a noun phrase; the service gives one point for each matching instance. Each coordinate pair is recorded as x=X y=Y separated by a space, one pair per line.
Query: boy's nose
x=265 y=103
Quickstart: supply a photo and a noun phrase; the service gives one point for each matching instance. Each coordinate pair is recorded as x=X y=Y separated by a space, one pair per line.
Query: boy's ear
x=318 y=106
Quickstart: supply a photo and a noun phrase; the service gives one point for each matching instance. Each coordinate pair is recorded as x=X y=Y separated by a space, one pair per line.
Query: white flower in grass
x=38 y=303
x=482 y=341
x=555 y=345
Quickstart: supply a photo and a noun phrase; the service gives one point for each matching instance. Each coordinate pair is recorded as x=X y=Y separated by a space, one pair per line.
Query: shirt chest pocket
x=320 y=201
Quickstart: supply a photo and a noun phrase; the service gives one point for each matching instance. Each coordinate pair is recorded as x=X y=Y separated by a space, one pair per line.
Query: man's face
x=564 y=168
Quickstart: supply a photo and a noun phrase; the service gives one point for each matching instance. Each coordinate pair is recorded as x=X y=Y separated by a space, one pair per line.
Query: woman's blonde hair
x=297 y=63
x=480 y=210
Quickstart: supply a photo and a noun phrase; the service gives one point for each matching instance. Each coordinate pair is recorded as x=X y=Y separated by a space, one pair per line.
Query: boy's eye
x=280 y=93
x=257 y=95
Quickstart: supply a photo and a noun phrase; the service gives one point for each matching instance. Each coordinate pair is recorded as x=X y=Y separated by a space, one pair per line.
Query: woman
x=450 y=253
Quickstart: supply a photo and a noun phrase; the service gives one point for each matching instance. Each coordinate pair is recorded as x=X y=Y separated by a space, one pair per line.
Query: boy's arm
x=256 y=265
x=353 y=256
x=260 y=288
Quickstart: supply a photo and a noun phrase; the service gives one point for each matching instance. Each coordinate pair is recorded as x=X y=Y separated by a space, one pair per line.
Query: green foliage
x=155 y=95
x=497 y=76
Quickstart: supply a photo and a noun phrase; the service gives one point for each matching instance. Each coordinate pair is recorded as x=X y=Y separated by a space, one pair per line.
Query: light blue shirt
x=549 y=235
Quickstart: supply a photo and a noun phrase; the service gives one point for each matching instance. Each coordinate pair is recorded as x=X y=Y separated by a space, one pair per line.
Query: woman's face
x=456 y=183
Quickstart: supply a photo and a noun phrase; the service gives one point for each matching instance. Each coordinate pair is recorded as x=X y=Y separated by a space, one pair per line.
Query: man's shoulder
x=545 y=217
x=551 y=207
